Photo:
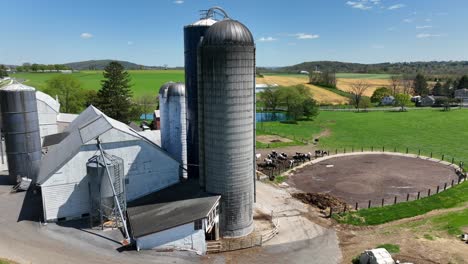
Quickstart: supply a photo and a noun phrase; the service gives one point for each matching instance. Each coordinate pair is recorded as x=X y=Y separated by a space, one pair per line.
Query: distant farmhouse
x=388 y=100
x=462 y=95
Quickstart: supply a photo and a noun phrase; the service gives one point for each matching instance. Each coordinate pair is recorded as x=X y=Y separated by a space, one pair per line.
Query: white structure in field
x=63 y=178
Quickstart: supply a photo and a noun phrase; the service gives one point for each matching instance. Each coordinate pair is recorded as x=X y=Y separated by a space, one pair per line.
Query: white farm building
x=63 y=174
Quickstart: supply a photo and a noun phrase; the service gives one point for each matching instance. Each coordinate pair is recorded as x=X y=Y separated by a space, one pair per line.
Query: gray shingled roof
x=171 y=207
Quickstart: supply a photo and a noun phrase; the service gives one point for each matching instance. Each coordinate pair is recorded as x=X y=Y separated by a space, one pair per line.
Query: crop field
x=144 y=82
x=367 y=76
x=321 y=95
x=345 y=84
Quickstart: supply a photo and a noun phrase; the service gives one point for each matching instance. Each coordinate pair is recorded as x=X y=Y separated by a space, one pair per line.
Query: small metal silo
x=20 y=125
x=226 y=82
x=103 y=205
x=164 y=114
x=193 y=33
x=175 y=141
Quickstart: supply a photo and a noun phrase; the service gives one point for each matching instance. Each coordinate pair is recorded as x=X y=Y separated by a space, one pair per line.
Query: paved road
x=25 y=240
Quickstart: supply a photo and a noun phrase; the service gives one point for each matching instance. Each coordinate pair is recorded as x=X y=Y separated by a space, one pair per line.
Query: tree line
x=296 y=101
x=3 y=71
x=28 y=67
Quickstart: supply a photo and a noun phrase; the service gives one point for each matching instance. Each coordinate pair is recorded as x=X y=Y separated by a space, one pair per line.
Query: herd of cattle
x=275 y=159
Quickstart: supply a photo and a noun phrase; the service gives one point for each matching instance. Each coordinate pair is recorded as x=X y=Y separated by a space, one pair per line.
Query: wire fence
x=461 y=175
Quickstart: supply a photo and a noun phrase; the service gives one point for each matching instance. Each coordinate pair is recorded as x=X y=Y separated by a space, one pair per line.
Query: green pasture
x=145 y=83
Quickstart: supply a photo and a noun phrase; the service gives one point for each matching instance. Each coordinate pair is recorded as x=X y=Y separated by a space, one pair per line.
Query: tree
x=379 y=94
x=365 y=103
x=438 y=89
x=310 y=108
x=402 y=100
x=420 y=85
x=90 y=97
x=114 y=97
x=463 y=82
x=327 y=79
x=3 y=71
x=270 y=98
x=407 y=85
x=395 y=82
x=34 y=67
x=357 y=91
x=146 y=103
x=448 y=88
x=69 y=91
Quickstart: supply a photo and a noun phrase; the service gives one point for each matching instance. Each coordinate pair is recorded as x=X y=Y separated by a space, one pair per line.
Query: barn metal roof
x=48 y=100
x=89 y=125
x=177 y=205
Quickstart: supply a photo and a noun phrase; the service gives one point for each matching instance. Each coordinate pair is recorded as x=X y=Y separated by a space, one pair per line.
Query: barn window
x=198 y=224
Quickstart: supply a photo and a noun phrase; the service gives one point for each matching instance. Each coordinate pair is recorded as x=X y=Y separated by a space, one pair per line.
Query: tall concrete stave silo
x=227 y=122
x=174 y=128
x=193 y=33
x=20 y=124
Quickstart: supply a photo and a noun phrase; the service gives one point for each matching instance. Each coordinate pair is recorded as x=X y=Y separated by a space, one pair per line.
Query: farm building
x=63 y=176
x=462 y=95
x=178 y=217
x=388 y=100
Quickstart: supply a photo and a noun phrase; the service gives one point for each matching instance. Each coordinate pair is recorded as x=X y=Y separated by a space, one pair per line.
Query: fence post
x=419 y=194
x=336 y=151
x=453 y=160
x=357 y=206
x=331 y=212
x=453 y=181
x=445 y=186
x=407 y=197
x=429 y=192
x=372 y=148
x=344 y=208
x=438 y=189
x=407 y=150
x=383 y=202
x=431 y=154
x=419 y=152
x=370 y=201
x=394 y=202
x=443 y=156
x=383 y=148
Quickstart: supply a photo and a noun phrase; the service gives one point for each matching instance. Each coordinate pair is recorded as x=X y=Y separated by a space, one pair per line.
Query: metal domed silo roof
x=176 y=89
x=228 y=31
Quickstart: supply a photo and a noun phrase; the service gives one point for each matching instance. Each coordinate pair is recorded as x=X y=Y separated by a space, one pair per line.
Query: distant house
x=157 y=120
x=388 y=100
x=462 y=96
x=304 y=72
x=427 y=101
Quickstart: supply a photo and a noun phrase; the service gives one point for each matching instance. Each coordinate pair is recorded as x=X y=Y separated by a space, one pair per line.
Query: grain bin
x=226 y=93
x=102 y=197
x=21 y=128
x=173 y=133
x=193 y=33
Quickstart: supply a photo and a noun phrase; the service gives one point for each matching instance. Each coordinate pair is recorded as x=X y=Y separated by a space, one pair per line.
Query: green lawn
x=451 y=198
x=145 y=83
x=363 y=76
x=442 y=133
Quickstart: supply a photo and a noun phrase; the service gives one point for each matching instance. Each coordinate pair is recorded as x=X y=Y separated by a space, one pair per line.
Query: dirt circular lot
x=360 y=178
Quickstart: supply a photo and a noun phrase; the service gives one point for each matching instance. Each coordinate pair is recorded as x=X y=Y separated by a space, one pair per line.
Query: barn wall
x=147 y=169
x=47 y=119
x=180 y=237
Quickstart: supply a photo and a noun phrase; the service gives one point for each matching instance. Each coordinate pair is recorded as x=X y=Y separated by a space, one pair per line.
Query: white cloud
x=306 y=36
x=267 y=39
x=408 y=20
x=178 y=2
x=397 y=6
x=427 y=35
x=86 y=35
x=361 y=4
x=424 y=27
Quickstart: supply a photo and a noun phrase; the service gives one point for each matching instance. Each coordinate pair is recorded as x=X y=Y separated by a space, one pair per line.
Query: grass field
x=144 y=82
x=428 y=130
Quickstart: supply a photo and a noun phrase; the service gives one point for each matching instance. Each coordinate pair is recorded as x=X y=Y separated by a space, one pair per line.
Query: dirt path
x=414 y=244
x=320 y=94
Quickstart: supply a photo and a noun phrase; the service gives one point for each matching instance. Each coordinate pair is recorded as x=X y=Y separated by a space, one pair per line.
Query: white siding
x=66 y=200
x=146 y=167
x=180 y=237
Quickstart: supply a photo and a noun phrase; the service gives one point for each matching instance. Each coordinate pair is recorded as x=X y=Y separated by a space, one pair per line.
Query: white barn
x=63 y=177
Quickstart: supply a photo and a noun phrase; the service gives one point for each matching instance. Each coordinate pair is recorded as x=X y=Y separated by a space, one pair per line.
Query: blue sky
x=150 y=32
